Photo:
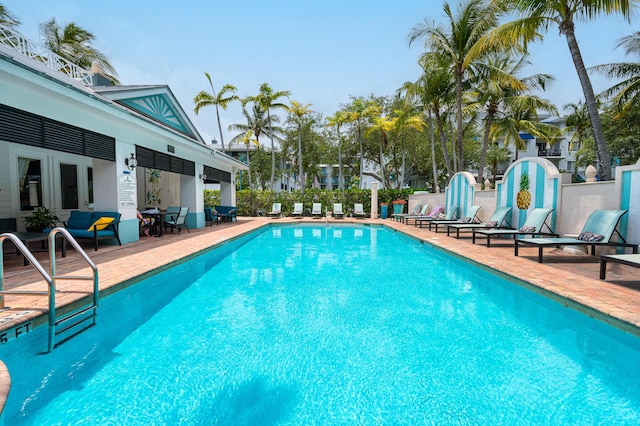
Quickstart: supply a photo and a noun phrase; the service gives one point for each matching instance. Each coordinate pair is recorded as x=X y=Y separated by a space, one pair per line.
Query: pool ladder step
x=68 y=325
x=74 y=323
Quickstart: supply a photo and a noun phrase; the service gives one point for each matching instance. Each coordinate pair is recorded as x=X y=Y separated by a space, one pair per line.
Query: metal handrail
x=50 y=277
x=34 y=262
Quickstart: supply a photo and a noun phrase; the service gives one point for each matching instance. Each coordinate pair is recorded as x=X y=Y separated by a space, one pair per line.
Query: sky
x=323 y=52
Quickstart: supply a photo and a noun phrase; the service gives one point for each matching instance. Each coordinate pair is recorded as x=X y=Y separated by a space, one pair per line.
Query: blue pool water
x=312 y=325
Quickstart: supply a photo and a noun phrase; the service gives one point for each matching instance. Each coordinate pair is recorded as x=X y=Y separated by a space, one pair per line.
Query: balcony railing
x=17 y=42
x=549 y=153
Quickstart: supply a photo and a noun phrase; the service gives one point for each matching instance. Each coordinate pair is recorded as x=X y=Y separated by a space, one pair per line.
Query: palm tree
x=298 y=111
x=255 y=126
x=7 y=19
x=382 y=124
x=498 y=82
x=435 y=88
x=337 y=120
x=248 y=139
x=73 y=43
x=578 y=122
x=625 y=93
x=473 y=19
x=521 y=116
x=360 y=110
x=267 y=101
x=221 y=99
x=407 y=119
x=540 y=15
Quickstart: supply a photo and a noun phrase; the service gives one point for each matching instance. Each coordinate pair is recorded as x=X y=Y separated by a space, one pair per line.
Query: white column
x=192 y=196
x=374 y=200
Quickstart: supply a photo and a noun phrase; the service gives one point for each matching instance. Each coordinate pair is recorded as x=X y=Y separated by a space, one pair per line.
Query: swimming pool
x=328 y=325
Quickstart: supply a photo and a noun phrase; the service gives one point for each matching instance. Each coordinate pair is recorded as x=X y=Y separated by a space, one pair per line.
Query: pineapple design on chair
x=524 y=196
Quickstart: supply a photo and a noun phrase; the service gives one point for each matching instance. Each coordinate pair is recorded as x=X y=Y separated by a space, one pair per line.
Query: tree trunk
x=220 y=128
x=433 y=153
x=485 y=146
x=604 y=158
x=300 y=160
x=459 y=118
x=402 y=167
x=340 y=173
x=384 y=180
x=453 y=149
x=249 y=171
x=361 y=155
x=443 y=140
x=273 y=152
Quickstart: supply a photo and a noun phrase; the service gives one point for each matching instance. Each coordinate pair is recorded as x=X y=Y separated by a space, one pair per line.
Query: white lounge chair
x=316 y=210
x=276 y=210
x=297 y=210
x=358 y=210
x=337 y=210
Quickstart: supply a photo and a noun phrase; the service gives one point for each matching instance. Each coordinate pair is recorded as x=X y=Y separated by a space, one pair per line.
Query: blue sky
x=322 y=52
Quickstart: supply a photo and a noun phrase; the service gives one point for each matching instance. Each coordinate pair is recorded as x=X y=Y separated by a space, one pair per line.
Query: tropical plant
x=434 y=88
x=578 y=122
x=625 y=93
x=337 y=120
x=7 y=19
x=521 y=116
x=382 y=124
x=41 y=218
x=457 y=42
x=298 y=111
x=248 y=140
x=154 y=194
x=358 y=112
x=496 y=84
x=267 y=100
x=537 y=15
x=222 y=99
x=74 y=44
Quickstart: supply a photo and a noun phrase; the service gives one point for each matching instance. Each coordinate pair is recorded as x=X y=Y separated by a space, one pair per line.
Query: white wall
x=579 y=200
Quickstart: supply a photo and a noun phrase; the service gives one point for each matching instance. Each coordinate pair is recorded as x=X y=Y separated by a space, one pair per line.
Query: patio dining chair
x=177 y=222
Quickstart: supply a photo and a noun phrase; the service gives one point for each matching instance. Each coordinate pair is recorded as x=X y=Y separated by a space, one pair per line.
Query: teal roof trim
x=159 y=108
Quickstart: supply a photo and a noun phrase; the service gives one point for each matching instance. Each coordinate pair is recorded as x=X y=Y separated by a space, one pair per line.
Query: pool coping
x=569 y=299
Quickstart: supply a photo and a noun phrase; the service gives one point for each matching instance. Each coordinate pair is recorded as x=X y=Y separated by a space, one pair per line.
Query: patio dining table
x=158 y=221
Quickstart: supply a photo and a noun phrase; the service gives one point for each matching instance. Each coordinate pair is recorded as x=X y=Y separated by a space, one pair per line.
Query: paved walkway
x=571 y=279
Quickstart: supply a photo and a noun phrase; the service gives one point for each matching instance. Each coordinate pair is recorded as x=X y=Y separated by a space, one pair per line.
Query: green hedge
x=249 y=203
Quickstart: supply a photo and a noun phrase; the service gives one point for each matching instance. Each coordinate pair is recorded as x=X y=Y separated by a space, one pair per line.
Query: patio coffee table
x=623 y=259
x=29 y=237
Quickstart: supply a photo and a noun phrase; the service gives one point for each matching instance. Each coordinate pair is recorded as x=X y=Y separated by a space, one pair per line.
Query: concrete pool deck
x=570 y=279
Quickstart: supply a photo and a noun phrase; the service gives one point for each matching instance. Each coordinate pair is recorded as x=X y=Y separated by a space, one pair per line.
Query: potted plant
x=398 y=205
x=383 y=210
x=40 y=219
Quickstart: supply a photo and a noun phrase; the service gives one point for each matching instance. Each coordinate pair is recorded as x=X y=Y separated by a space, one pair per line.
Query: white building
x=69 y=141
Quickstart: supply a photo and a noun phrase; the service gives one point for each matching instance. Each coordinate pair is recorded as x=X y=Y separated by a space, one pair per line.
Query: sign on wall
x=127 y=191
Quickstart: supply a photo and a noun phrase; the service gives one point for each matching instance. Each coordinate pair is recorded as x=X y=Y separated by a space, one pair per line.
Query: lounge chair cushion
x=528 y=229
x=436 y=211
x=590 y=236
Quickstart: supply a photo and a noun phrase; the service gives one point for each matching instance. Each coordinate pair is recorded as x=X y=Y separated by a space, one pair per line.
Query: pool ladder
x=68 y=324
